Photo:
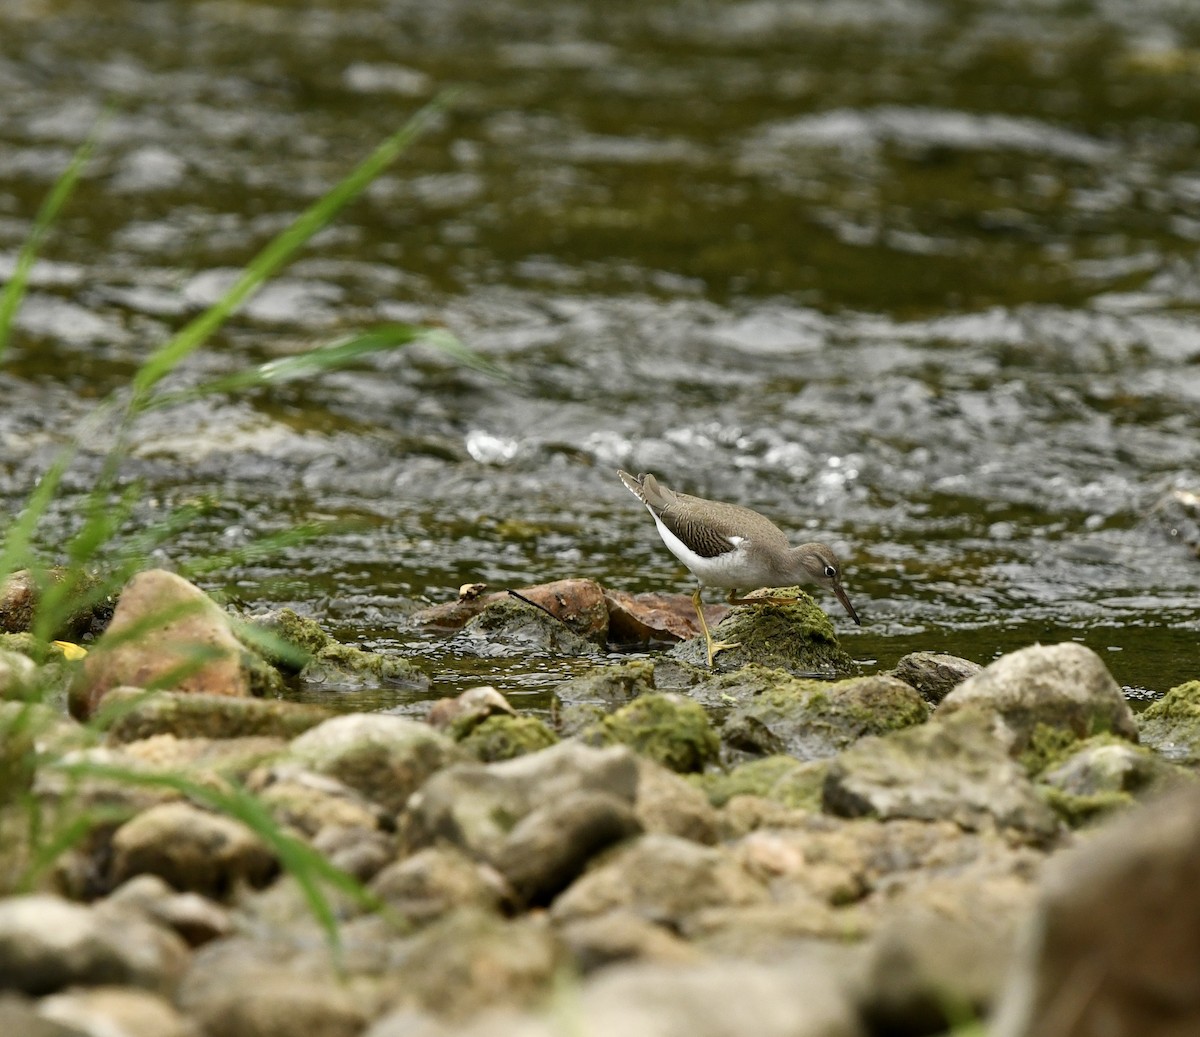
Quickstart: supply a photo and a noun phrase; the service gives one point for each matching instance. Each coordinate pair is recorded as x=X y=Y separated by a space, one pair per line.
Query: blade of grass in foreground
x=14 y=291
x=278 y=251
x=333 y=356
x=308 y=867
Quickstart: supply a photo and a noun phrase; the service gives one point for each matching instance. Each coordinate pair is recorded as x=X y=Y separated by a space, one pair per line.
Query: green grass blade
x=331 y=357
x=309 y=868
x=279 y=251
x=14 y=292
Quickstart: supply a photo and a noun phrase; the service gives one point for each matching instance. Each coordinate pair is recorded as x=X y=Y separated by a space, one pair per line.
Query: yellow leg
x=713 y=646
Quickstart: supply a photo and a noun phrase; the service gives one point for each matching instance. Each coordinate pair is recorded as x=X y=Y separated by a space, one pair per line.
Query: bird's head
x=821 y=566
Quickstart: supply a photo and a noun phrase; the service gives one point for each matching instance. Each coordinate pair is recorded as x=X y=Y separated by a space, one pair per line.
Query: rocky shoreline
x=749 y=850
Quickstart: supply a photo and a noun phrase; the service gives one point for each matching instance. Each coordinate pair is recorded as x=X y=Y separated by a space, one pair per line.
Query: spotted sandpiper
x=725 y=545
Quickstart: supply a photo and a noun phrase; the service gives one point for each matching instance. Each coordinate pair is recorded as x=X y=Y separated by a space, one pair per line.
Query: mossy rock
x=1172 y=724
x=504 y=738
x=811 y=719
x=610 y=685
x=782 y=779
x=798 y=637
x=668 y=729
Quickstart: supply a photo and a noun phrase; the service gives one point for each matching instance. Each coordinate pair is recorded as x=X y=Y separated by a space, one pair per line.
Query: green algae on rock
x=796 y=637
x=1172 y=724
x=613 y=685
x=668 y=729
x=505 y=737
x=782 y=779
x=811 y=719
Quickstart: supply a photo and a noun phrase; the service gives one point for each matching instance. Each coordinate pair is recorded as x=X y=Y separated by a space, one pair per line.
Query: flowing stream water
x=916 y=277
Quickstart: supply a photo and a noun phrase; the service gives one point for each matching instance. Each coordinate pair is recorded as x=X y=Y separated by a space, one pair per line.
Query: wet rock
x=933 y=674
x=662 y=878
x=168 y=632
x=536 y=819
x=672 y=805
x=437 y=880
x=460 y=715
x=578 y=604
x=1172 y=724
x=1104 y=775
x=20 y=596
x=623 y=936
x=1064 y=687
x=141 y=715
x=279 y=1004
x=782 y=779
x=955 y=770
x=641 y=618
x=1114 y=946
x=195 y=918
x=48 y=944
x=191 y=849
x=297 y=644
x=473 y=960
x=798 y=638
x=384 y=757
x=811 y=720
x=668 y=729
x=509 y=627
x=505 y=738
x=309 y=802
x=118 y=1011
x=609 y=685
x=721 y=691
x=18 y=675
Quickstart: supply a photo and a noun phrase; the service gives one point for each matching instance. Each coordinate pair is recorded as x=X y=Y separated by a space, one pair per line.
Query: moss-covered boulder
x=138 y=714
x=811 y=719
x=1172 y=724
x=781 y=779
x=1064 y=686
x=613 y=685
x=1105 y=774
x=297 y=645
x=796 y=637
x=668 y=729
x=505 y=737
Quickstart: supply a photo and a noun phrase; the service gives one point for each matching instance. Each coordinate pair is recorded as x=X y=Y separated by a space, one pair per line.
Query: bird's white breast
x=734 y=568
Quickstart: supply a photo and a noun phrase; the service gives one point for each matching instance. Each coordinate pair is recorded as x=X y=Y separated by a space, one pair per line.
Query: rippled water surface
x=917 y=278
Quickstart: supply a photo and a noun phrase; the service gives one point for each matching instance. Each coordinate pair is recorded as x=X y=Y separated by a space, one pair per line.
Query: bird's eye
x=830 y=571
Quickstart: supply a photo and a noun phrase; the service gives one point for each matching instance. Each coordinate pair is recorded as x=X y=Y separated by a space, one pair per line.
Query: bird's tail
x=647 y=489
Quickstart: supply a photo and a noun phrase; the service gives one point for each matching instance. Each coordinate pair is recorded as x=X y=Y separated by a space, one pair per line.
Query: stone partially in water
x=812 y=720
x=1172 y=724
x=933 y=674
x=796 y=637
x=507 y=627
x=168 y=633
x=1065 y=687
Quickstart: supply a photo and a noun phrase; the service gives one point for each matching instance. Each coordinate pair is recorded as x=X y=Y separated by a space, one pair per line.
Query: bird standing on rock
x=725 y=545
